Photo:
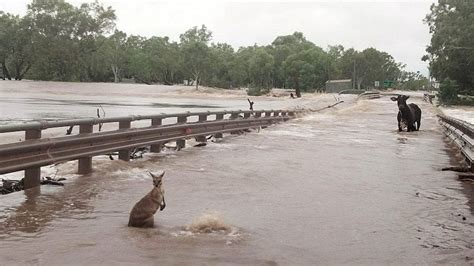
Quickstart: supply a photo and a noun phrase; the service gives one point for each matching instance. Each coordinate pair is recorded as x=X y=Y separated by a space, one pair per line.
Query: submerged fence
x=34 y=152
x=462 y=133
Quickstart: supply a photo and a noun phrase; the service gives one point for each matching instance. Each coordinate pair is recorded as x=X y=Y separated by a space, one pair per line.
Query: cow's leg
x=399 y=119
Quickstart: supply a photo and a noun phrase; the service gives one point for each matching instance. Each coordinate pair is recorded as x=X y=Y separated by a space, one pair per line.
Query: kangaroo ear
x=394 y=99
x=406 y=97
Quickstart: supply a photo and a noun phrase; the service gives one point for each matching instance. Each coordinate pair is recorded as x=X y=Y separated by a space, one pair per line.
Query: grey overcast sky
x=396 y=27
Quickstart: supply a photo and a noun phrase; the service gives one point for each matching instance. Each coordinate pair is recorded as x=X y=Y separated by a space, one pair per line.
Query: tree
x=223 y=58
x=413 y=81
x=164 y=58
x=16 y=49
x=260 y=69
x=7 y=30
x=116 y=52
x=66 y=37
x=373 y=65
x=196 y=52
x=307 y=69
x=139 y=64
x=451 y=51
x=284 y=46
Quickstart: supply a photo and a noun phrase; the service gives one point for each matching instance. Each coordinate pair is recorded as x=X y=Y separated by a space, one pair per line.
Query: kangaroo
x=143 y=211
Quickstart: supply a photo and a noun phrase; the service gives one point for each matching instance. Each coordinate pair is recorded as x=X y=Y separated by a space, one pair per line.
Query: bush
x=448 y=92
x=257 y=91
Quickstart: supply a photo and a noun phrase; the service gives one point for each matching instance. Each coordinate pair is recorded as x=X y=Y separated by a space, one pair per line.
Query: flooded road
x=340 y=186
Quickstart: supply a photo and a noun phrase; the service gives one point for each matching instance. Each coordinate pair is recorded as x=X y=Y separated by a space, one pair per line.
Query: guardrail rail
x=462 y=133
x=34 y=152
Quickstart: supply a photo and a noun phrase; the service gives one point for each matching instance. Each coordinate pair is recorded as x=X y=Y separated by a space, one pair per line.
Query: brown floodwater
x=340 y=186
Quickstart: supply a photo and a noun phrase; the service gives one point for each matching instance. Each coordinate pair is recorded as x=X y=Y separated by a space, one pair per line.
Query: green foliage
x=197 y=56
x=451 y=52
x=56 y=40
x=413 y=81
x=448 y=92
x=307 y=70
x=257 y=91
x=16 y=49
x=260 y=69
x=66 y=36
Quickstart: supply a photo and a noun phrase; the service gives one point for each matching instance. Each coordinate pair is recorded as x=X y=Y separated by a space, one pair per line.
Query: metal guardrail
x=462 y=133
x=34 y=152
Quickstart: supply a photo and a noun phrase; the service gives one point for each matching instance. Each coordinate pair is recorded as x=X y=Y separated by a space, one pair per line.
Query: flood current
x=338 y=186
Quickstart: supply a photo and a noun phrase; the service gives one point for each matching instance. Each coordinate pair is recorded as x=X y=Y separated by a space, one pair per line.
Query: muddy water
x=341 y=186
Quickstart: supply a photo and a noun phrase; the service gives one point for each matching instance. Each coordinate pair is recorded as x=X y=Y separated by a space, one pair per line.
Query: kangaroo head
x=157 y=179
x=157 y=182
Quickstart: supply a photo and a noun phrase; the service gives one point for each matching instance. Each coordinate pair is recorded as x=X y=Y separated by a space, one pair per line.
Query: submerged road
x=341 y=186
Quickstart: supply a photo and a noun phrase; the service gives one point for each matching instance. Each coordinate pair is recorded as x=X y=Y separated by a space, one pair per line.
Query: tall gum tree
x=451 y=51
x=196 y=52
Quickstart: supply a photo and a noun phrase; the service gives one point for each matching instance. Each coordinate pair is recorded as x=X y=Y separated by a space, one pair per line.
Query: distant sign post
x=376 y=83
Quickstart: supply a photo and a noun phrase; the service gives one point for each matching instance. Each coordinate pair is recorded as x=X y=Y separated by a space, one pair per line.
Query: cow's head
x=401 y=101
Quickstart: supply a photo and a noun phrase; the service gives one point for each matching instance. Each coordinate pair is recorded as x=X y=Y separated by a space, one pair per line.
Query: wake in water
x=209 y=223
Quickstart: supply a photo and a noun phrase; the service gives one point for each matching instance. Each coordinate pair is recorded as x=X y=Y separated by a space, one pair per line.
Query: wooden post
x=202 y=138
x=85 y=164
x=125 y=154
x=181 y=143
x=32 y=175
x=156 y=122
x=219 y=117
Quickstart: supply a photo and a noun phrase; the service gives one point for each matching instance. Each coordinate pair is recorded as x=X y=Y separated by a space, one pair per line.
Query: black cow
x=407 y=113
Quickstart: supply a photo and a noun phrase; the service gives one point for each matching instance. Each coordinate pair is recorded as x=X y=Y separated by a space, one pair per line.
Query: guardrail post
x=32 y=175
x=125 y=154
x=156 y=122
x=181 y=143
x=267 y=114
x=234 y=115
x=202 y=138
x=219 y=117
x=85 y=164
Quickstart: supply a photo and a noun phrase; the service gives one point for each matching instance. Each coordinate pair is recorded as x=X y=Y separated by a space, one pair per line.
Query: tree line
x=451 y=51
x=62 y=42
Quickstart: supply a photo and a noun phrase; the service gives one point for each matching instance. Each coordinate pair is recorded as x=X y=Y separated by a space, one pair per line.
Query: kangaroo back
x=143 y=211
